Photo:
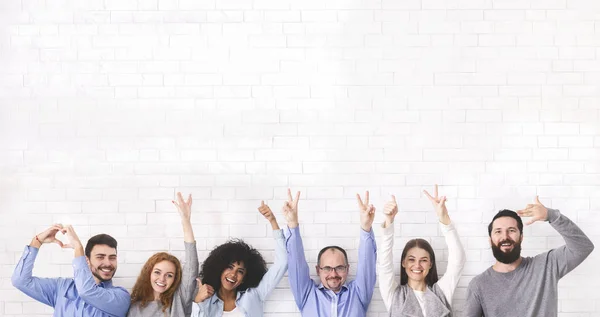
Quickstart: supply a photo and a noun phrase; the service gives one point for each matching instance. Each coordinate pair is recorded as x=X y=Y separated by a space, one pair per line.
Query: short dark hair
x=506 y=213
x=331 y=247
x=432 y=276
x=233 y=251
x=99 y=239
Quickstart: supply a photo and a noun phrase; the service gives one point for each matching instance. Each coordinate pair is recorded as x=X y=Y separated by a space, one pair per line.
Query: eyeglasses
x=338 y=269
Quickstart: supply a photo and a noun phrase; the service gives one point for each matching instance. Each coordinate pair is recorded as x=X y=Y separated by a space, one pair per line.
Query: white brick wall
x=109 y=107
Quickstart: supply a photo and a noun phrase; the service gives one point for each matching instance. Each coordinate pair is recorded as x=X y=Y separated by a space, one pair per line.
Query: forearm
x=188 y=232
x=385 y=266
x=366 y=275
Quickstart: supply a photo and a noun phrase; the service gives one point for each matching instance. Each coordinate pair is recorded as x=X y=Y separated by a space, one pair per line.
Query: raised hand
x=204 y=291
x=265 y=210
x=290 y=209
x=71 y=235
x=439 y=204
x=184 y=207
x=48 y=236
x=367 y=212
x=390 y=210
x=537 y=211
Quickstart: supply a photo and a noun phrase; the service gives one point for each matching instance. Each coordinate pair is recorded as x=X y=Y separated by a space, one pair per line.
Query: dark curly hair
x=234 y=250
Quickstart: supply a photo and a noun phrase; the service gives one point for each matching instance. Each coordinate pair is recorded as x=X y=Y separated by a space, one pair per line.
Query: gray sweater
x=183 y=297
x=531 y=290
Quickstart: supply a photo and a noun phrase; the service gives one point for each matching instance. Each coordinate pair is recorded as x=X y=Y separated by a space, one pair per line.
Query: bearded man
x=525 y=286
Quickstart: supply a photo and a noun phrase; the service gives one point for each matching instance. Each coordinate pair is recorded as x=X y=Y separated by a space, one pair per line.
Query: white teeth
x=416 y=271
x=229 y=280
x=160 y=284
x=105 y=270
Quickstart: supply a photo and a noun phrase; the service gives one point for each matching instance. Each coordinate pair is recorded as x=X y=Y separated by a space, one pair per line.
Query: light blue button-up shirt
x=250 y=302
x=317 y=301
x=79 y=296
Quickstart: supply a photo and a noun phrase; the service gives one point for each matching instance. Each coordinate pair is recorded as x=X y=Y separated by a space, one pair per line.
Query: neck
x=505 y=268
x=417 y=285
x=226 y=295
x=156 y=296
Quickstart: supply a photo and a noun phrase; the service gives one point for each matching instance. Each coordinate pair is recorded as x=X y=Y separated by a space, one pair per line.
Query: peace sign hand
x=439 y=204
x=290 y=209
x=367 y=212
x=537 y=211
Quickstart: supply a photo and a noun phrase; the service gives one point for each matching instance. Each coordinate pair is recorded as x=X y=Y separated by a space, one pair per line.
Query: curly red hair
x=142 y=291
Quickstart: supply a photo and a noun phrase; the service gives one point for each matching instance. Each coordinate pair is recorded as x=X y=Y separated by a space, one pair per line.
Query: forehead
x=238 y=265
x=417 y=253
x=103 y=249
x=332 y=257
x=505 y=222
x=165 y=265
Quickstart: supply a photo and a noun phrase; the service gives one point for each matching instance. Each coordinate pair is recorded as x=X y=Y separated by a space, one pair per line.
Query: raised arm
x=41 y=289
x=366 y=275
x=385 y=261
x=298 y=272
x=280 y=265
x=113 y=301
x=456 y=252
x=577 y=245
x=190 y=266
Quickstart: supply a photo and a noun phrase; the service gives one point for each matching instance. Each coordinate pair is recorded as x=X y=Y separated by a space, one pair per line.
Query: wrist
x=366 y=228
x=36 y=242
x=292 y=224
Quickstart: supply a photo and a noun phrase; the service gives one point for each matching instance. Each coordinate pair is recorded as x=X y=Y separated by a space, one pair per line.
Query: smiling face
x=417 y=264
x=162 y=277
x=103 y=262
x=233 y=276
x=335 y=278
x=506 y=239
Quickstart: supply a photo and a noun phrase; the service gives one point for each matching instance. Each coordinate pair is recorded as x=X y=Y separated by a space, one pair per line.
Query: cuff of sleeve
x=31 y=250
x=365 y=234
x=79 y=263
x=387 y=230
x=447 y=228
x=278 y=234
x=553 y=215
x=189 y=245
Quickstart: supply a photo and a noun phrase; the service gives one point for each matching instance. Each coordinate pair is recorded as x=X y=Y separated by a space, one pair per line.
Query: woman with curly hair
x=163 y=288
x=419 y=293
x=235 y=281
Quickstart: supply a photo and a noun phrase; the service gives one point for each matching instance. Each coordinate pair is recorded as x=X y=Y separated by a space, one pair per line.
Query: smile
x=230 y=280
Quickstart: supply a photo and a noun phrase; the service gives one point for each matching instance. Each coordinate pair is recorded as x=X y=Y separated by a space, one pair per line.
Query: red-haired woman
x=163 y=287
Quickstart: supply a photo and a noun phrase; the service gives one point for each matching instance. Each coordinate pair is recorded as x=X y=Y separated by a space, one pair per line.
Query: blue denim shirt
x=78 y=296
x=251 y=301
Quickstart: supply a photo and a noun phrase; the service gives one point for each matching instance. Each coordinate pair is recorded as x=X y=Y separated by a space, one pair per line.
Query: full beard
x=507 y=257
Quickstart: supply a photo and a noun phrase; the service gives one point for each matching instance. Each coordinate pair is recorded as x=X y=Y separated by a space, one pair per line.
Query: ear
x=317 y=269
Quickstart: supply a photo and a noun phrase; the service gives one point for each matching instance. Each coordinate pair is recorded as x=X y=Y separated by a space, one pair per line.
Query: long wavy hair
x=233 y=251
x=142 y=291
x=432 y=276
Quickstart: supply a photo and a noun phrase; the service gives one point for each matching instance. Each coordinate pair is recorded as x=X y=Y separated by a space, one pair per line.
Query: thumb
x=199 y=282
x=262 y=203
x=394 y=198
x=537 y=200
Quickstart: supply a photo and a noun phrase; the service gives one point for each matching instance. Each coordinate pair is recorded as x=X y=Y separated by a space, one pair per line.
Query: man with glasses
x=333 y=297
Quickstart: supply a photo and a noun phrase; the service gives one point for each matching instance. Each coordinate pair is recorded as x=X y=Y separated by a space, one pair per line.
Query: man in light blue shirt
x=90 y=292
x=333 y=297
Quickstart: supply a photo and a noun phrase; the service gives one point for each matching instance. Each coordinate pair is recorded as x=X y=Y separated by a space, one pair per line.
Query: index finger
x=367 y=197
x=360 y=202
x=428 y=195
x=436 y=191
x=180 y=198
x=290 y=195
